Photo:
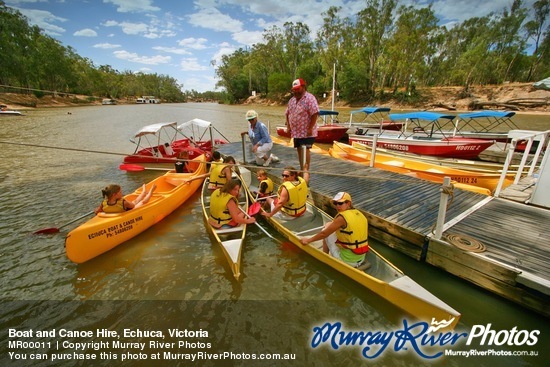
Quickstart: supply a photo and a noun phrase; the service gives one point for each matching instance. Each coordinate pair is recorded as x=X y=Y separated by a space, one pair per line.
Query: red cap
x=298 y=83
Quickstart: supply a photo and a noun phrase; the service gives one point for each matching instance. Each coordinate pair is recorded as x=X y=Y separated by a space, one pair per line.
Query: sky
x=182 y=38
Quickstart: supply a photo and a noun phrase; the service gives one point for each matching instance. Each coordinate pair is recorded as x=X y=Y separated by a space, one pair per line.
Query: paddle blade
x=131 y=167
x=47 y=231
x=254 y=209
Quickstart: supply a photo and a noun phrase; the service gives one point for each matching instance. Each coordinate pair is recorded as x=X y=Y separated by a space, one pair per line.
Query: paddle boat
x=465 y=164
x=230 y=239
x=106 y=231
x=382 y=277
x=424 y=137
x=5 y=112
x=373 y=118
x=166 y=141
x=486 y=180
x=339 y=151
x=327 y=132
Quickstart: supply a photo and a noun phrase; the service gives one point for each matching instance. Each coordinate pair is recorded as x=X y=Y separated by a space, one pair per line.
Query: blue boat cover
x=327 y=112
x=369 y=110
x=422 y=115
x=481 y=114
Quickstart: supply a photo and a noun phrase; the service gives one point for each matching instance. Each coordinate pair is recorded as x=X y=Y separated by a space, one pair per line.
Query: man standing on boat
x=260 y=139
x=301 y=120
x=346 y=237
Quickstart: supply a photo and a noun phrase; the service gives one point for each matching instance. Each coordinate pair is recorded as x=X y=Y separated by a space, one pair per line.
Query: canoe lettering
x=465 y=180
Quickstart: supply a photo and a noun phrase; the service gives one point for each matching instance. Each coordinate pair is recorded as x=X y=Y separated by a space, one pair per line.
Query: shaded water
x=171 y=275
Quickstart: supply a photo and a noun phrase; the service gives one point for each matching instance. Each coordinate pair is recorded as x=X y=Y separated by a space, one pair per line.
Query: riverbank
x=518 y=97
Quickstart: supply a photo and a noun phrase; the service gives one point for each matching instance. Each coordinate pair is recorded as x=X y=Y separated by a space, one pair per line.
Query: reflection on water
x=282 y=294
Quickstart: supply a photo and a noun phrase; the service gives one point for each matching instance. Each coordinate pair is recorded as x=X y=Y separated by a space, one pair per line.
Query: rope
x=347 y=175
x=465 y=243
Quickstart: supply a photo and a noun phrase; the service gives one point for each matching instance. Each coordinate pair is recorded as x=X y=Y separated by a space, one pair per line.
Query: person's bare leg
x=145 y=200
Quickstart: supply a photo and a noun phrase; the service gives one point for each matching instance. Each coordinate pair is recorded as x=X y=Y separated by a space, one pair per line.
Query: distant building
x=147 y=99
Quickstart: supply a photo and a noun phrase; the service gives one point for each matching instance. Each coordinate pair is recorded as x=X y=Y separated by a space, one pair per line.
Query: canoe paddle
x=138 y=168
x=259 y=226
x=56 y=229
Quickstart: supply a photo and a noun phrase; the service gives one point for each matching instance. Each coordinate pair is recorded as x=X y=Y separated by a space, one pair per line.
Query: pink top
x=299 y=115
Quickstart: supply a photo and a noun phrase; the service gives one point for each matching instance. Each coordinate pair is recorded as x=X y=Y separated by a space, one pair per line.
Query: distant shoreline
x=518 y=97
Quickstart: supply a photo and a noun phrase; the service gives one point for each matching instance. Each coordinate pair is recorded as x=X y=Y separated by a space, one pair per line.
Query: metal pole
x=442 y=208
x=333 y=82
x=373 y=150
x=244 y=147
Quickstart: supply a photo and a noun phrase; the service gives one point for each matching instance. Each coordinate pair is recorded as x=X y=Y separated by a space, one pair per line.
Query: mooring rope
x=189 y=160
x=464 y=242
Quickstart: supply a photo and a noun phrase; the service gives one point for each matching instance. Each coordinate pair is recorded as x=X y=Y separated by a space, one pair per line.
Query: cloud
x=44 y=19
x=133 y=57
x=106 y=46
x=212 y=18
x=191 y=64
x=248 y=38
x=224 y=49
x=193 y=43
x=87 y=32
x=133 y=6
x=172 y=50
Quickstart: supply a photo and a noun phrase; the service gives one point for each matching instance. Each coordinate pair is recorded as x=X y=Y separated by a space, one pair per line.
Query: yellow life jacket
x=218 y=207
x=355 y=235
x=297 y=197
x=117 y=207
x=216 y=176
x=269 y=188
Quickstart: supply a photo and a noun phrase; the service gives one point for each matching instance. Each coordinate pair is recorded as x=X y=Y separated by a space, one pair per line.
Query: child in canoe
x=113 y=202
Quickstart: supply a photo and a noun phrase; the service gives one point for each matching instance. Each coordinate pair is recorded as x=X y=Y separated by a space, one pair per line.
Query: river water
x=172 y=276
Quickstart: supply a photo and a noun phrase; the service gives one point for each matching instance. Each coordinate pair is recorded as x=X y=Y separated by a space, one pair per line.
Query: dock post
x=442 y=208
x=373 y=150
x=243 y=138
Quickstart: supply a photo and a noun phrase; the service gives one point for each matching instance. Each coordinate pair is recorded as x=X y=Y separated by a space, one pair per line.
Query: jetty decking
x=402 y=212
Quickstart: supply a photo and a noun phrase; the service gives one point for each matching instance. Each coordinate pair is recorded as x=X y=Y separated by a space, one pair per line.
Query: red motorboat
x=166 y=141
x=422 y=139
x=327 y=132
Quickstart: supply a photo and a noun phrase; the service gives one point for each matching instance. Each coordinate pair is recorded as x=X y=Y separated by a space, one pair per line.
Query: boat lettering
x=97 y=234
x=395 y=146
x=124 y=229
x=467 y=147
x=128 y=222
x=465 y=180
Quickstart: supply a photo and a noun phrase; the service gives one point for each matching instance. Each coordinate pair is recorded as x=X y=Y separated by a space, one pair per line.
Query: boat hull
x=382 y=278
x=450 y=147
x=106 y=231
x=230 y=240
x=325 y=133
x=480 y=179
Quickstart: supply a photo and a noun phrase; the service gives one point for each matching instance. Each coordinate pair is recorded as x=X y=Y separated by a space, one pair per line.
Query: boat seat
x=168 y=149
x=229 y=229
x=395 y=163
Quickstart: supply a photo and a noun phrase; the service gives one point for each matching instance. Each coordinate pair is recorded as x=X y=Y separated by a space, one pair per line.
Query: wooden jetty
x=497 y=244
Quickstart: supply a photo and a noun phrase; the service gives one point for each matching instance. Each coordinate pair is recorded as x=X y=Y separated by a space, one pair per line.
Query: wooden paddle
x=138 y=168
x=259 y=226
x=56 y=229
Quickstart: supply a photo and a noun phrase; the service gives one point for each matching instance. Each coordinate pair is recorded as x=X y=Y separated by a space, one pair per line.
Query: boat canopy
x=373 y=115
x=485 y=121
x=371 y=110
x=422 y=115
x=154 y=128
x=196 y=129
x=328 y=112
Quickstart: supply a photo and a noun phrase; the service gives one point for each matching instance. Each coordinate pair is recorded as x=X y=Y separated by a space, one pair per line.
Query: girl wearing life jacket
x=220 y=173
x=224 y=206
x=266 y=186
x=346 y=237
x=113 y=202
x=292 y=195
